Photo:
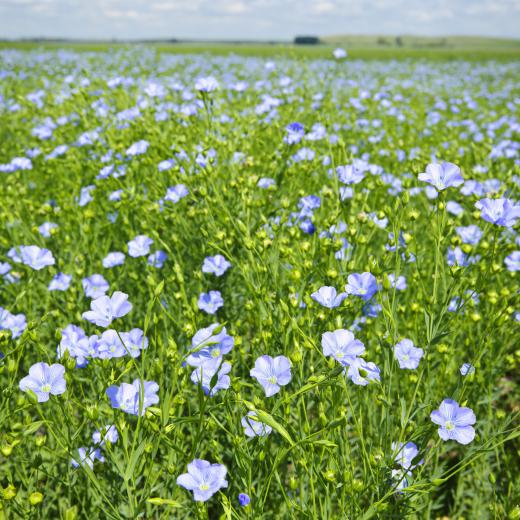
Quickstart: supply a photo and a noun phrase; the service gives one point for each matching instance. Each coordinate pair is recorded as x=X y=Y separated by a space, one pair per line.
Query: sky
x=255 y=19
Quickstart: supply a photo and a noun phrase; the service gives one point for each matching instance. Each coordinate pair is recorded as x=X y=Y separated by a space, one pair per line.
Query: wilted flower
x=203 y=479
x=243 y=499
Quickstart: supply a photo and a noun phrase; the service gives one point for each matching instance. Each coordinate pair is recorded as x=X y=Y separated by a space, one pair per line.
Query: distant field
x=359 y=47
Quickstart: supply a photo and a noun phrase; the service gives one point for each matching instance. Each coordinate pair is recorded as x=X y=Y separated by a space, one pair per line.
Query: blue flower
x=87 y=456
x=512 y=261
x=176 y=193
x=138 y=148
x=455 y=422
x=502 y=212
x=342 y=346
x=206 y=346
x=203 y=479
x=127 y=396
x=157 y=259
x=110 y=346
x=35 y=257
x=272 y=373
x=16 y=323
x=243 y=499
x=217 y=265
x=134 y=341
x=363 y=285
x=442 y=175
x=328 y=297
x=139 y=246
x=405 y=453
x=95 y=286
x=210 y=302
x=339 y=53
x=44 y=380
x=108 y=433
x=113 y=259
x=85 y=195
x=467 y=369
x=349 y=174
x=104 y=309
x=470 y=234
x=60 y=282
x=212 y=376
x=295 y=133
x=407 y=355
x=253 y=427
x=46 y=228
x=361 y=372
x=399 y=284
x=266 y=182
x=207 y=84
x=76 y=343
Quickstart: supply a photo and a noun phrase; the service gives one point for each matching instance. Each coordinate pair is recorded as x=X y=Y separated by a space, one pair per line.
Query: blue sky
x=255 y=19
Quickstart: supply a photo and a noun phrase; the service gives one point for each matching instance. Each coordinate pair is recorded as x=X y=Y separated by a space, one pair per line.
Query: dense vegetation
x=304 y=272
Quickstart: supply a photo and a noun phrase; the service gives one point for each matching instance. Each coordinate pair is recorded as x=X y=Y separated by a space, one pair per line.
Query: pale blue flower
x=363 y=285
x=442 y=175
x=60 y=282
x=328 y=297
x=253 y=427
x=272 y=373
x=203 y=479
x=127 y=396
x=455 y=422
x=210 y=302
x=139 y=246
x=342 y=346
x=217 y=265
x=105 y=309
x=407 y=355
x=94 y=286
x=45 y=380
